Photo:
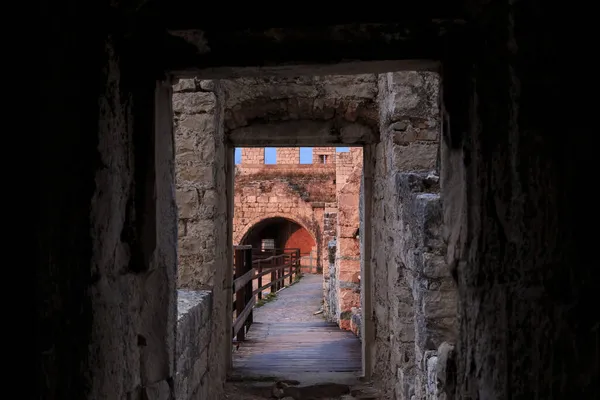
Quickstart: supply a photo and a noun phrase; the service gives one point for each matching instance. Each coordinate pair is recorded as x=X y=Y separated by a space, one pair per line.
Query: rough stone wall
x=301 y=239
x=329 y=233
x=513 y=165
x=106 y=235
x=343 y=169
x=412 y=293
x=288 y=155
x=348 y=248
x=132 y=253
x=350 y=98
x=200 y=162
x=194 y=325
x=297 y=192
x=253 y=155
x=433 y=290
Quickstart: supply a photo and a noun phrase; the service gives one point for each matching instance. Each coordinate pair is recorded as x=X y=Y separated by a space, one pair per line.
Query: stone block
x=199 y=369
x=438 y=303
x=194 y=103
x=194 y=173
x=348 y=266
x=185 y=85
x=445 y=371
x=410 y=135
x=187 y=202
x=434 y=266
x=192 y=124
x=189 y=245
x=415 y=156
x=194 y=310
x=349 y=276
x=348 y=201
x=208 y=85
x=348 y=247
x=348 y=298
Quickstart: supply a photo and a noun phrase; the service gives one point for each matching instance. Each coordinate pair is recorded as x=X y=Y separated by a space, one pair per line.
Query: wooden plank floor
x=286 y=338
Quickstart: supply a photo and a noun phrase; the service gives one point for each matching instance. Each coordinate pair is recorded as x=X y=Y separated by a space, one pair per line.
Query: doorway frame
x=366 y=270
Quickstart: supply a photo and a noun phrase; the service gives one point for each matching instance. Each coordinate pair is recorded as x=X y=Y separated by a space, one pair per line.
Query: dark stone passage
x=517 y=166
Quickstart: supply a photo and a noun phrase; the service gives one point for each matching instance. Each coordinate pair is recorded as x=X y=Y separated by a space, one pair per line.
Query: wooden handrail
x=246 y=270
x=242 y=280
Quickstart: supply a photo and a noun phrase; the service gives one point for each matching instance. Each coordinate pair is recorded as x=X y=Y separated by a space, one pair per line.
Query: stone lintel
x=303 y=133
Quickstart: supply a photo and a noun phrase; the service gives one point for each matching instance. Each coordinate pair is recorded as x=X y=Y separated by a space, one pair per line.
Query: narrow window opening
x=267 y=244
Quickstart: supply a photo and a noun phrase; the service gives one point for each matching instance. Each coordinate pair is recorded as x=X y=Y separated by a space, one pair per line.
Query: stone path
x=287 y=341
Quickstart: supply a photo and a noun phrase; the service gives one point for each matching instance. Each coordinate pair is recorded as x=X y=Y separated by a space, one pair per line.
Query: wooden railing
x=308 y=263
x=249 y=267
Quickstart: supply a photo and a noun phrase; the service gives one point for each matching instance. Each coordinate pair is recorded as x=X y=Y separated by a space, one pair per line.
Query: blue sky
x=270 y=154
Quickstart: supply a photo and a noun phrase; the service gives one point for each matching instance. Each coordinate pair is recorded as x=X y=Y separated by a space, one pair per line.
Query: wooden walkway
x=287 y=339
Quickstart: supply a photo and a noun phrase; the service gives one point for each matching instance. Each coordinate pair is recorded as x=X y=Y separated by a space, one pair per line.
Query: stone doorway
x=393 y=120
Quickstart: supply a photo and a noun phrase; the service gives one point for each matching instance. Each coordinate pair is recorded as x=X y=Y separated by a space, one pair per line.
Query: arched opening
x=280 y=233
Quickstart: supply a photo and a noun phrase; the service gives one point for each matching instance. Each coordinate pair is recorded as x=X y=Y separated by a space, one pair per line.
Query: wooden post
x=279 y=273
x=273 y=278
x=291 y=268
x=240 y=302
x=274 y=266
x=259 y=269
x=248 y=287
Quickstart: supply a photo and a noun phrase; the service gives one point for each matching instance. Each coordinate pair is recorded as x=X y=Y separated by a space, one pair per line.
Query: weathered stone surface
x=201 y=199
x=131 y=346
x=347 y=263
x=194 y=325
x=350 y=98
x=356 y=321
x=445 y=372
x=305 y=110
x=194 y=102
x=415 y=298
x=185 y=85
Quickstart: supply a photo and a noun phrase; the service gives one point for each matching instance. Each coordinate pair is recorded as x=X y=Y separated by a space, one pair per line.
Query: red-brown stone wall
x=297 y=192
x=348 y=245
x=301 y=239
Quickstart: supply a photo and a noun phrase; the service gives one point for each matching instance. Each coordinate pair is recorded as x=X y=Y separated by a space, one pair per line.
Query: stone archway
x=281 y=232
x=242 y=235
